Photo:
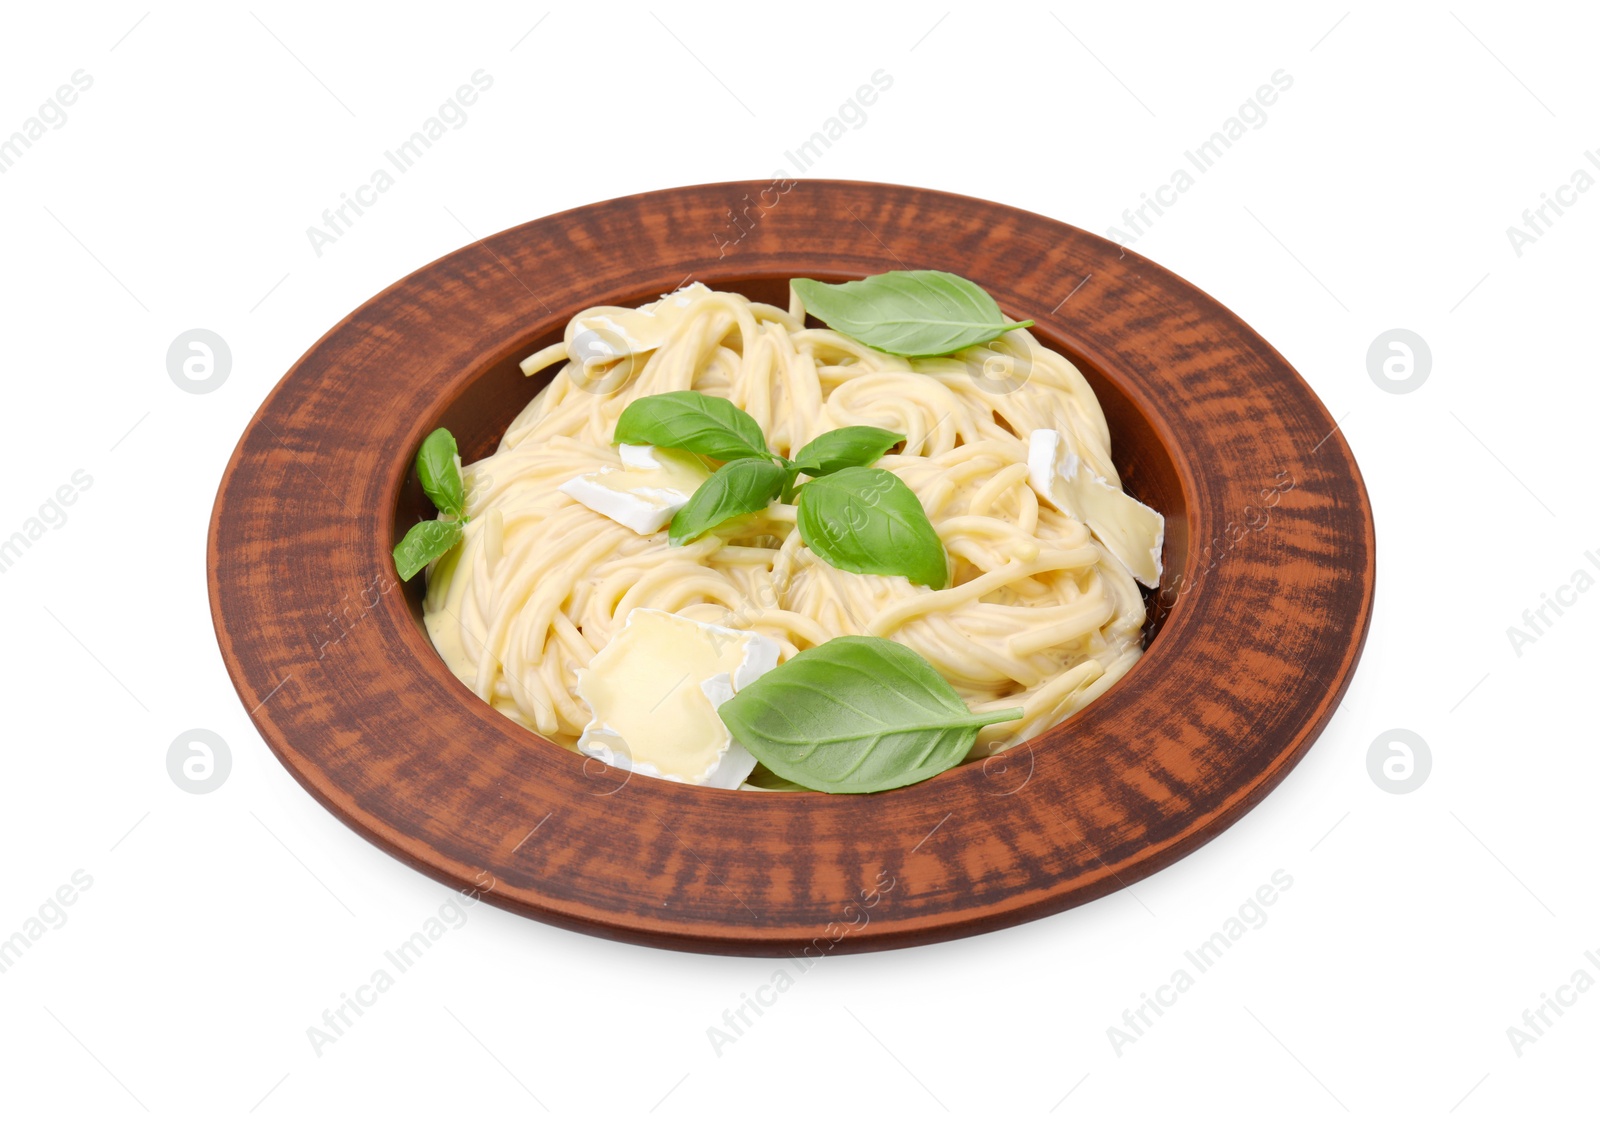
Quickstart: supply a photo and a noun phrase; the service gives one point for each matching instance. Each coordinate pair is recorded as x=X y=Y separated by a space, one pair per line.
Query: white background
x=1377 y=195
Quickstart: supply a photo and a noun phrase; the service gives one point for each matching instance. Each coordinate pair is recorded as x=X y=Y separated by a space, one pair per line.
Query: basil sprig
x=439 y=468
x=857 y=714
x=912 y=312
x=855 y=518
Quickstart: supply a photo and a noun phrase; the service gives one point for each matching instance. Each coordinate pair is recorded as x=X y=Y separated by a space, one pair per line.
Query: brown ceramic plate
x=1252 y=640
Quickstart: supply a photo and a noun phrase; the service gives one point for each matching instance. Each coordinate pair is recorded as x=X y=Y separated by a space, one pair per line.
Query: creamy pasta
x=1040 y=613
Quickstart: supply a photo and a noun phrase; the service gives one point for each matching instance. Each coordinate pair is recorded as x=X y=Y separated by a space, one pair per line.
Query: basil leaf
x=852 y=446
x=695 y=422
x=440 y=473
x=857 y=714
x=428 y=540
x=912 y=312
x=737 y=488
x=867 y=521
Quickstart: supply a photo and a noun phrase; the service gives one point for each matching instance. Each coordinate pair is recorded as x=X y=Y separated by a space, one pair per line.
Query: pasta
x=1040 y=614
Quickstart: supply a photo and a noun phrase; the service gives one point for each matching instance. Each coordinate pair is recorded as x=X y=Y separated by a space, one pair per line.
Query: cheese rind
x=654 y=690
x=644 y=494
x=1131 y=531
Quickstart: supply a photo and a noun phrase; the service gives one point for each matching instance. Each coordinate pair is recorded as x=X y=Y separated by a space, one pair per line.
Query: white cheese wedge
x=654 y=690
x=646 y=492
x=634 y=331
x=1132 y=532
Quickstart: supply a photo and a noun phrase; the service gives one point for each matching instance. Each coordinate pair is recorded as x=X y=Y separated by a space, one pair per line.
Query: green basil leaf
x=428 y=540
x=850 y=447
x=440 y=473
x=867 y=521
x=857 y=714
x=689 y=420
x=912 y=312
x=737 y=488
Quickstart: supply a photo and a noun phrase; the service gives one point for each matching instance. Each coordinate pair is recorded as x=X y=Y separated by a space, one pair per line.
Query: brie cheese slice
x=654 y=690
x=1132 y=532
x=617 y=332
x=644 y=494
